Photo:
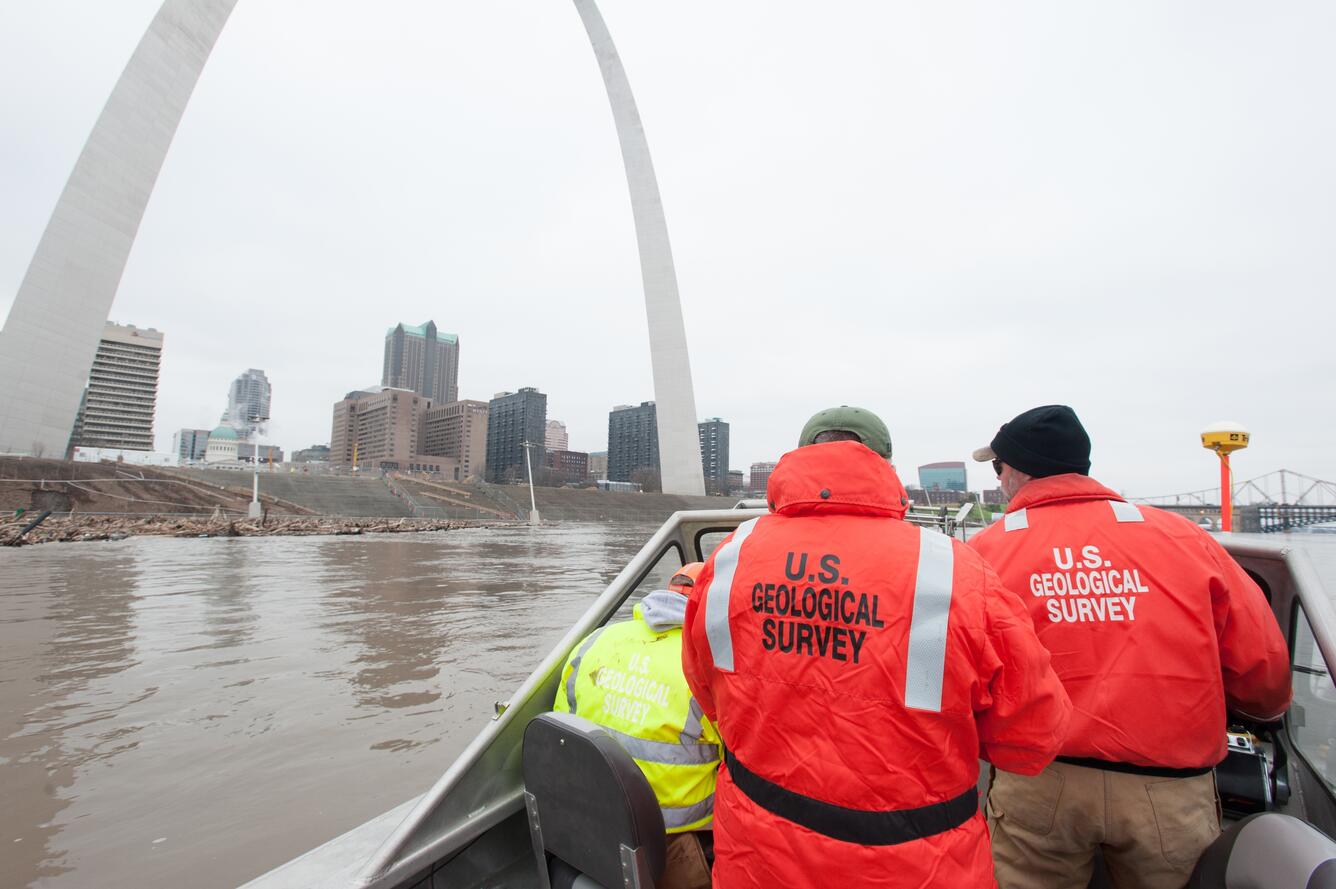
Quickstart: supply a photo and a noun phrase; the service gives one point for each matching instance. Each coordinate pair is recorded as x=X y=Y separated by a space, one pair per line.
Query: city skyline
x=974 y=203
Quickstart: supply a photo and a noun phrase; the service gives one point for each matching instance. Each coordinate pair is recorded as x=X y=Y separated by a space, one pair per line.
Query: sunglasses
x=997 y=467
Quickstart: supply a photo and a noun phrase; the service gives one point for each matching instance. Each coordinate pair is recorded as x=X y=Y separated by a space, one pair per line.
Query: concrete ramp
x=343 y=495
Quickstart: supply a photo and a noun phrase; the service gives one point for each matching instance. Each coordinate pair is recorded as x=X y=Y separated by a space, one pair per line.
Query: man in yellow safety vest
x=627 y=677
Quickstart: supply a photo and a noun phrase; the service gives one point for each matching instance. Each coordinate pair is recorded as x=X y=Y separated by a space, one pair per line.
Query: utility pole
x=528 y=465
x=255 y=511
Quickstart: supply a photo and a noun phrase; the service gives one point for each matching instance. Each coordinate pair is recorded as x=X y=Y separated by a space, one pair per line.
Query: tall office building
x=568 y=466
x=458 y=430
x=947 y=476
x=382 y=430
x=422 y=359
x=556 y=438
x=633 y=440
x=514 y=418
x=189 y=445
x=714 y=454
x=248 y=398
x=118 y=404
x=760 y=476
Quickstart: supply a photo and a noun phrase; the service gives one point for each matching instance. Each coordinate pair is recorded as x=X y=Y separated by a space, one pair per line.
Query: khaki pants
x=1045 y=829
x=686 y=867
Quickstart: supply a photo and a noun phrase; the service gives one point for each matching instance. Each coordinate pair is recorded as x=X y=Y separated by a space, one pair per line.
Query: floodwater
x=196 y=712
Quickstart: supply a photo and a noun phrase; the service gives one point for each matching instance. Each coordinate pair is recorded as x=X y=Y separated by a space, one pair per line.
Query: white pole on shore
x=533 y=503
x=255 y=510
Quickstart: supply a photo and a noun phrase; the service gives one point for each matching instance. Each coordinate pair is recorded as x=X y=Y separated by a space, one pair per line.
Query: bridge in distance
x=1278 y=501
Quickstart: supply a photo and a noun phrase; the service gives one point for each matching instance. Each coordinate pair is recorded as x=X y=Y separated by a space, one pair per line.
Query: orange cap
x=685 y=578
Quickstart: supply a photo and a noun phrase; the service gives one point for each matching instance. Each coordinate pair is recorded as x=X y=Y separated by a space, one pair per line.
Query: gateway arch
x=52 y=332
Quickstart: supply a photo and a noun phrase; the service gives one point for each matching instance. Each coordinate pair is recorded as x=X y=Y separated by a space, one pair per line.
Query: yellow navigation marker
x=1225 y=438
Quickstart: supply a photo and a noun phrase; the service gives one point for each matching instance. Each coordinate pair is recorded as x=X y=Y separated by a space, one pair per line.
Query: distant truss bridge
x=1283 y=500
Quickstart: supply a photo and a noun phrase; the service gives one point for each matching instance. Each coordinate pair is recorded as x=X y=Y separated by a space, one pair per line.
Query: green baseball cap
x=869 y=428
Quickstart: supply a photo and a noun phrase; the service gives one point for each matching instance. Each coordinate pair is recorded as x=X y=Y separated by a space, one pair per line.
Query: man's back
x=857 y=667
x=1145 y=616
x=627 y=677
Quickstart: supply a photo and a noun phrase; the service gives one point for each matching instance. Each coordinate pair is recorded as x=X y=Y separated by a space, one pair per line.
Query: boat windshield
x=1312 y=716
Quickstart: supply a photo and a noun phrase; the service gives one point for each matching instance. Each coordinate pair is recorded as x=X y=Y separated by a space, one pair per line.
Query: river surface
x=196 y=712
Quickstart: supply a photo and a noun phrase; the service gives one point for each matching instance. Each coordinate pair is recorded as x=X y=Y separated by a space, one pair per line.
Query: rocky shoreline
x=67 y=529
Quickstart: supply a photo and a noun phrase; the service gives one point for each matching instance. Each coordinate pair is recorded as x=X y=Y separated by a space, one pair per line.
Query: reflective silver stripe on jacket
x=1015 y=521
x=926 y=664
x=717 y=630
x=575 y=667
x=693 y=729
x=665 y=752
x=1126 y=512
x=681 y=816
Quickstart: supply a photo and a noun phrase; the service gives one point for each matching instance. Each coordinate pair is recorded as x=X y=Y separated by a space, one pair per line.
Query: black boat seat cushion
x=1268 y=851
x=591 y=798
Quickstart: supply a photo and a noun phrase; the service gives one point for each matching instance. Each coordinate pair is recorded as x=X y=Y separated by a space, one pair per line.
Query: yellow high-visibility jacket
x=627 y=678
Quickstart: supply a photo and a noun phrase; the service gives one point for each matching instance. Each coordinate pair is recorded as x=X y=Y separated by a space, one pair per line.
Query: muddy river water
x=195 y=712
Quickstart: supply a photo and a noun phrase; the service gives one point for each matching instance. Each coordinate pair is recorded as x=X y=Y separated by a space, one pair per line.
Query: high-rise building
x=598 y=465
x=633 y=441
x=514 y=419
x=422 y=359
x=946 y=476
x=714 y=454
x=569 y=466
x=117 y=407
x=189 y=445
x=458 y=430
x=381 y=430
x=760 y=476
x=247 y=398
x=556 y=438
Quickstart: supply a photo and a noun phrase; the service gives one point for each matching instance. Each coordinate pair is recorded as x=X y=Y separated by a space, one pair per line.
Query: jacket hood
x=662 y=610
x=1065 y=488
x=843 y=477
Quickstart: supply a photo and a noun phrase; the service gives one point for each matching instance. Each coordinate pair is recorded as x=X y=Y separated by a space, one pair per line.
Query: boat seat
x=592 y=815
x=1268 y=851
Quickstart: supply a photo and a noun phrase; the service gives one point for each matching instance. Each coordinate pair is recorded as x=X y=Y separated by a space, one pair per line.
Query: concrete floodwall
x=587 y=505
x=34 y=483
x=118 y=488
x=343 y=495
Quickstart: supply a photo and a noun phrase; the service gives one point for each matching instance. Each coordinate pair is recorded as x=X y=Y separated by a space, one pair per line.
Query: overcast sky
x=947 y=213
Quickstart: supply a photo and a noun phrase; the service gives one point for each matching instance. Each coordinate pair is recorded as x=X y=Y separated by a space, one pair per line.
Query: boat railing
x=483 y=786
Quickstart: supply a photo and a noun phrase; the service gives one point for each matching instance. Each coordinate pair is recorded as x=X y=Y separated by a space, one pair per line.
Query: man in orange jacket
x=1154 y=630
x=857 y=667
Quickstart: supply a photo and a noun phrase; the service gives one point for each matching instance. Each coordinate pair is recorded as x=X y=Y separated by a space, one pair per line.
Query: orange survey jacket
x=1153 y=628
x=857 y=667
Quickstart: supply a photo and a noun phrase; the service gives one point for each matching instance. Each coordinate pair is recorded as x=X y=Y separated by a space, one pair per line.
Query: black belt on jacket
x=1131 y=769
x=887 y=828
